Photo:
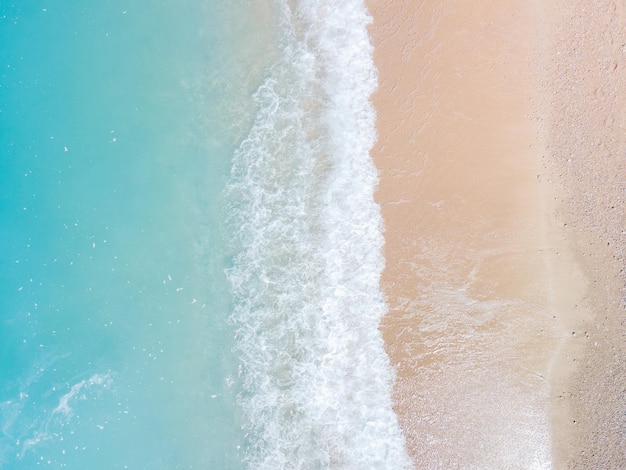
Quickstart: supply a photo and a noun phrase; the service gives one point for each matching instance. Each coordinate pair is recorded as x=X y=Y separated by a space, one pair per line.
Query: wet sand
x=499 y=279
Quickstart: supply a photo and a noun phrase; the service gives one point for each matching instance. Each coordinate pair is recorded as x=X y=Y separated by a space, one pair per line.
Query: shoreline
x=492 y=294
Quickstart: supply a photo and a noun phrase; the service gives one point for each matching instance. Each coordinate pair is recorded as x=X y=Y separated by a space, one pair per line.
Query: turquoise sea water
x=189 y=249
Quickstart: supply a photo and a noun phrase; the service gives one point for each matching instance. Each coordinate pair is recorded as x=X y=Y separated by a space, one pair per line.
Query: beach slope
x=493 y=304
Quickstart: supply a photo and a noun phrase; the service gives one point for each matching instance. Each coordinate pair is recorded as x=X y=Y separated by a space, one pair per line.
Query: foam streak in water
x=316 y=379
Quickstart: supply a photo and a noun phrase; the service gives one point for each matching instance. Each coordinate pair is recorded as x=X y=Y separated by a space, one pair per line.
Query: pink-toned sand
x=501 y=153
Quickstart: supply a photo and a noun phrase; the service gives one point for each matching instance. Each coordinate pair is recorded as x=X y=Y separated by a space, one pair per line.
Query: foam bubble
x=316 y=379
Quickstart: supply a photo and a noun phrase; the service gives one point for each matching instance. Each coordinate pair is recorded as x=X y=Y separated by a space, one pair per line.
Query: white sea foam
x=317 y=381
x=63 y=412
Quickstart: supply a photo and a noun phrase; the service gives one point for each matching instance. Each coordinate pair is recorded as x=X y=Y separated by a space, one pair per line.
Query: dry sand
x=585 y=131
x=501 y=155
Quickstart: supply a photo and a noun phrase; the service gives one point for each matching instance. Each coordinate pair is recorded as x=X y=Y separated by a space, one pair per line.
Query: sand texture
x=585 y=131
x=501 y=158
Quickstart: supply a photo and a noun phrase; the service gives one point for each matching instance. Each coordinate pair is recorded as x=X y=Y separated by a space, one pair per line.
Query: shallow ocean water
x=117 y=132
x=161 y=165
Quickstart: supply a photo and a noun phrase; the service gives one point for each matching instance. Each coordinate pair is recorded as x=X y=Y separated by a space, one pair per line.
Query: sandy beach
x=502 y=165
